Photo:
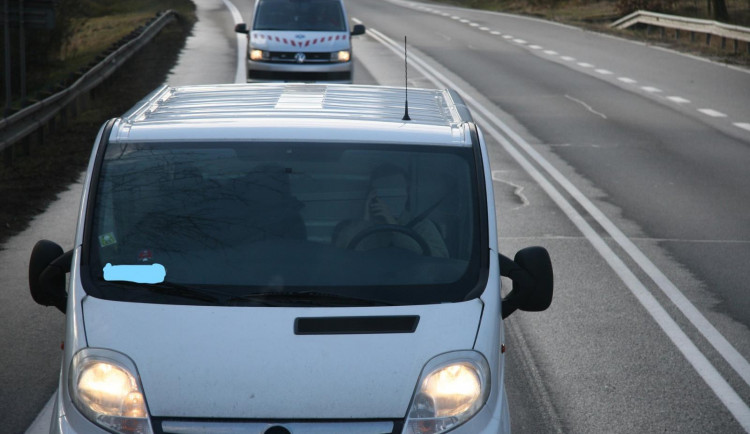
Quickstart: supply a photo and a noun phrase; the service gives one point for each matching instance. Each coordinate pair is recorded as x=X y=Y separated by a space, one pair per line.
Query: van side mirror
x=47 y=268
x=531 y=273
x=241 y=28
x=359 y=29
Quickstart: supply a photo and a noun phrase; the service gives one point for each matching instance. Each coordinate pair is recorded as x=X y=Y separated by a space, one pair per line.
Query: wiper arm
x=315 y=297
x=177 y=289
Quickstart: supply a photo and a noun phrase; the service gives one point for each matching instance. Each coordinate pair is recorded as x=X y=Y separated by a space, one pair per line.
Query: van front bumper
x=278 y=71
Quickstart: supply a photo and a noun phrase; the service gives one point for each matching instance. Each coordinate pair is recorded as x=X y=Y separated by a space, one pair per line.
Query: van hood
x=302 y=41
x=248 y=362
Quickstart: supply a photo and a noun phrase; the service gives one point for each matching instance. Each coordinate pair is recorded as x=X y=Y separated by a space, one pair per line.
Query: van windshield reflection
x=389 y=224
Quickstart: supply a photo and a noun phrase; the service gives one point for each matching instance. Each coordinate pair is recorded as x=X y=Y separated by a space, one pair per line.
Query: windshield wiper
x=177 y=289
x=312 y=297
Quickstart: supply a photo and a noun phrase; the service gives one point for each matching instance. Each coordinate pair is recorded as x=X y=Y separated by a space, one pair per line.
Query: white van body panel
x=263 y=369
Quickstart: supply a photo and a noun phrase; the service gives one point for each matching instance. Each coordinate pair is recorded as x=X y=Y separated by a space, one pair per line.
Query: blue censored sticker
x=153 y=273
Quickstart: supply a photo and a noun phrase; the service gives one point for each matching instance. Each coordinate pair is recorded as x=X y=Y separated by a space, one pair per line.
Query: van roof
x=295 y=111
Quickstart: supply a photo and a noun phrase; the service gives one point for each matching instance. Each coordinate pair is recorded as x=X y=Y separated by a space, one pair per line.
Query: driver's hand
x=378 y=210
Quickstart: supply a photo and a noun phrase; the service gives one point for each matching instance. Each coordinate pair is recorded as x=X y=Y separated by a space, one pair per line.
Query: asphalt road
x=627 y=162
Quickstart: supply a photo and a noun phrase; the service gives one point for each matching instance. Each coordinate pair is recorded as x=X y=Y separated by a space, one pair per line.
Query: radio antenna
x=406 y=87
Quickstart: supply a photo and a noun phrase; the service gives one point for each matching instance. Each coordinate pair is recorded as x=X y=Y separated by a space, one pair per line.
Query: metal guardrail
x=708 y=27
x=19 y=125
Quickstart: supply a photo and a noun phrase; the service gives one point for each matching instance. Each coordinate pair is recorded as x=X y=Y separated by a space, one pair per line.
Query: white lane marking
x=240 y=75
x=474 y=24
x=713 y=113
x=627 y=80
x=495 y=32
x=484 y=29
x=585 y=65
x=508 y=37
x=464 y=20
x=41 y=424
x=678 y=100
x=453 y=17
x=568 y=58
x=731 y=400
x=651 y=89
x=604 y=72
x=588 y=107
x=535 y=47
x=743 y=125
x=550 y=52
x=519 y=41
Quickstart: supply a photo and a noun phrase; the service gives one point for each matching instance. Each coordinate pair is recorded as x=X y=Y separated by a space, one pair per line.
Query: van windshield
x=294 y=15
x=388 y=224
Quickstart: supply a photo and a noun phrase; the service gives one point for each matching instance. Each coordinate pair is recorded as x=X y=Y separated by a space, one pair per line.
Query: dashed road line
x=651 y=89
x=713 y=113
x=678 y=100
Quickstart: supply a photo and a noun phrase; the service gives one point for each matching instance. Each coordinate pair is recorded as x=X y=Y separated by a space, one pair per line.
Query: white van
x=300 y=40
x=287 y=258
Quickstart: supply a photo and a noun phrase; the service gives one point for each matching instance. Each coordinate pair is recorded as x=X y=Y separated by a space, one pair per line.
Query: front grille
x=299 y=76
x=290 y=57
x=210 y=426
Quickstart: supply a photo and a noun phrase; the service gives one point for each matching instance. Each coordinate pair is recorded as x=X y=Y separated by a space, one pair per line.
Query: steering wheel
x=370 y=230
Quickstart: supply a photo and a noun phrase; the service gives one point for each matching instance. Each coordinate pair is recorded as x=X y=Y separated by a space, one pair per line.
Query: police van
x=300 y=40
x=287 y=258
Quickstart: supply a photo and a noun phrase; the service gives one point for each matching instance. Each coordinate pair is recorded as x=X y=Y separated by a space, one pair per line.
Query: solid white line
x=241 y=72
x=713 y=113
x=743 y=125
x=43 y=420
x=731 y=400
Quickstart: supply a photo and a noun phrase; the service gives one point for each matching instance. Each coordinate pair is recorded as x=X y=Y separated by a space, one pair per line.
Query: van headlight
x=258 y=55
x=104 y=387
x=341 y=56
x=453 y=387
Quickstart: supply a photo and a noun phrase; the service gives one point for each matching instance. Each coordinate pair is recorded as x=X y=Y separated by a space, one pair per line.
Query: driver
x=387 y=203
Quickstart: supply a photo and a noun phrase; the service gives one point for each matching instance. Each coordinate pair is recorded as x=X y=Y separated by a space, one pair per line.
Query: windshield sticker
x=107 y=239
x=145 y=255
x=153 y=273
